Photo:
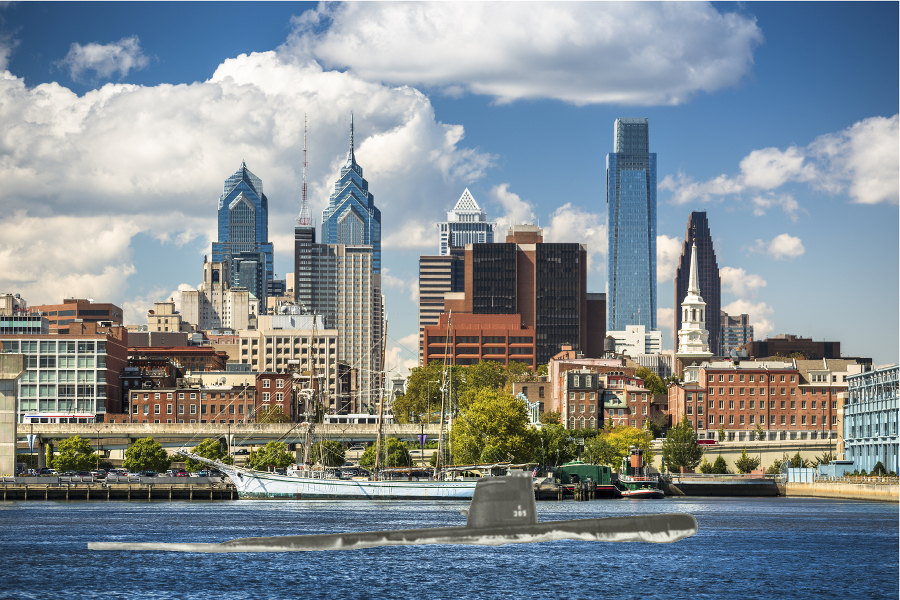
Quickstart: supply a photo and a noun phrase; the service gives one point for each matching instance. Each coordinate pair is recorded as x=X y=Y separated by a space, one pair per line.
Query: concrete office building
x=438 y=276
x=215 y=304
x=734 y=332
x=71 y=377
x=636 y=340
x=466 y=224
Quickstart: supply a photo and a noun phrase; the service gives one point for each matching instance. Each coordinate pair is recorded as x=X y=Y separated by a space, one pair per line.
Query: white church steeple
x=693 y=337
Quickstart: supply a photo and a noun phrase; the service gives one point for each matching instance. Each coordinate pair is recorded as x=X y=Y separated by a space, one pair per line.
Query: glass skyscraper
x=244 y=234
x=351 y=218
x=631 y=201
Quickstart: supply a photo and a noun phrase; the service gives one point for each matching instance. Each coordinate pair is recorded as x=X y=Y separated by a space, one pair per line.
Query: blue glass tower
x=351 y=217
x=244 y=234
x=631 y=201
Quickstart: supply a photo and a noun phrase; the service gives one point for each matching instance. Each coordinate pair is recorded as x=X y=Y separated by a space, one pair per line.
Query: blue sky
x=120 y=121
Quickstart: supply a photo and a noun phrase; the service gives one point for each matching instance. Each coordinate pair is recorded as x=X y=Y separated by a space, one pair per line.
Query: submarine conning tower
x=499 y=501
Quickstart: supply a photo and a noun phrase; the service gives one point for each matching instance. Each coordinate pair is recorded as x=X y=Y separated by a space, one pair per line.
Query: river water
x=745 y=548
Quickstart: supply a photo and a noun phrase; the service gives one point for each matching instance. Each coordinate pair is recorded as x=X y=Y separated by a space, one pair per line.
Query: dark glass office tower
x=631 y=202
x=708 y=274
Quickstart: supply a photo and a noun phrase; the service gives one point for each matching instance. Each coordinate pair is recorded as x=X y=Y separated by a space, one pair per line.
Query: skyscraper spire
x=351 y=156
x=305 y=220
x=694 y=280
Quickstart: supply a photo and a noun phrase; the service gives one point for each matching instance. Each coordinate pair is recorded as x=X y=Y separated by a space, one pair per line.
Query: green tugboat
x=635 y=481
x=576 y=471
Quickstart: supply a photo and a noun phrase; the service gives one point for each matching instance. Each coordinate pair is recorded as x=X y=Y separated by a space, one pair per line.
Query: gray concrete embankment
x=721 y=486
x=845 y=491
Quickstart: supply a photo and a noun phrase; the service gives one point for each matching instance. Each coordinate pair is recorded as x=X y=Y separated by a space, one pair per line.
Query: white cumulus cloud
x=515 y=210
x=740 y=283
x=668 y=254
x=781 y=247
x=572 y=224
x=862 y=161
x=584 y=53
x=104 y=60
x=82 y=175
x=761 y=316
x=402 y=355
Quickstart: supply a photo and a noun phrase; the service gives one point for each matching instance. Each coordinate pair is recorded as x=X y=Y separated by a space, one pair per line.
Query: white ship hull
x=254 y=484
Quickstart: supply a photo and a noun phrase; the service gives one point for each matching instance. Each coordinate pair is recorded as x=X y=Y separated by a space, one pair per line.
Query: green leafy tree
x=760 y=433
x=602 y=451
x=273 y=454
x=492 y=418
x=146 y=455
x=272 y=414
x=798 y=461
x=775 y=467
x=652 y=381
x=879 y=469
x=680 y=448
x=486 y=374
x=48 y=458
x=75 y=454
x=423 y=392
x=394 y=454
x=825 y=459
x=328 y=453
x=211 y=448
x=554 y=447
x=746 y=463
x=722 y=433
x=542 y=370
x=550 y=418
x=656 y=425
x=720 y=467
x=517 y=371
x=706 y=467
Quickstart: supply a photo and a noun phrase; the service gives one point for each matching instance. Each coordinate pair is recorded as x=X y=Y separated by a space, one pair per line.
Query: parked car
x=147 y=473
x=358 y=447
x=99 y=474
x=47 y=472
x=82 y=474
x=182 y=474
x=243 y=451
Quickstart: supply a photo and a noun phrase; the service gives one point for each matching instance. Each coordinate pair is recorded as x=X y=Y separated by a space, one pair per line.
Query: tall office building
x=734 y=332
x=243 y=243
x=351 y=217
x=631 y=200
x=466 y=224
x=542 y=285
x=438 y=275
x=216 y=304
x=708 y=278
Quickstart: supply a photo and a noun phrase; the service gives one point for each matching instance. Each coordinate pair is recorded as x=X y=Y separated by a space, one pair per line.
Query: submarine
x=502 y=511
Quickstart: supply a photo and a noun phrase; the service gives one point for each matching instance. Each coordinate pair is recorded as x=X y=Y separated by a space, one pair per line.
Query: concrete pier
x=11 y=367
x=30 y=488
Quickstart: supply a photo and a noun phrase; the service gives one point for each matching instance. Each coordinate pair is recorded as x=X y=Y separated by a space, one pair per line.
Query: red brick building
x=786 y=400
x=71 y=310
x=474 y=338
x=225 y=404
x=275 y=389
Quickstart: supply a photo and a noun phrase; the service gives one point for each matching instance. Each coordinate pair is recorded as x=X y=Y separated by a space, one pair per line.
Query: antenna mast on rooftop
x=305 y=220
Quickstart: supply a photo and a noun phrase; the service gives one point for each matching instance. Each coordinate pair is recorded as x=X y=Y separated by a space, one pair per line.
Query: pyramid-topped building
x=466 y=224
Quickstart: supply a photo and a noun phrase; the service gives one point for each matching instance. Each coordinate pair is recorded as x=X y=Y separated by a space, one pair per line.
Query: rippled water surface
x=745 y=548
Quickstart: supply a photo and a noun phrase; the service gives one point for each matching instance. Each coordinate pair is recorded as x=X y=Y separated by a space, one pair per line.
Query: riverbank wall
x=32 y=489
x=845 y=491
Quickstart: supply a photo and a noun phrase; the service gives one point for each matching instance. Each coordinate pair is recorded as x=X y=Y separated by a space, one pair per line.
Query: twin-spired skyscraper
x=631 y=201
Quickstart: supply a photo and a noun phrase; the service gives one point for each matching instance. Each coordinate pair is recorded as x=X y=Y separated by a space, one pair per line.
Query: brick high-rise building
x=76 y=309
x=543 y=283
x=708 y=278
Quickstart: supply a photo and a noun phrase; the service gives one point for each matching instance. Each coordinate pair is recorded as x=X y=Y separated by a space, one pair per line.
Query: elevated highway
x=111 y=436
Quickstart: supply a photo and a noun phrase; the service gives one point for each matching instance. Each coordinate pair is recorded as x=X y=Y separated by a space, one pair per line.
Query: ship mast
x=444 y=386
x=380 y=404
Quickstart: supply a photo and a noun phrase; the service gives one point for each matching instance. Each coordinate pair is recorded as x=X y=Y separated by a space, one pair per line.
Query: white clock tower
x=693 y=338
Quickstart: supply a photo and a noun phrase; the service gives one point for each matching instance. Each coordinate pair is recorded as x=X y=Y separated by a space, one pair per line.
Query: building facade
x=473 y=338
x=786 y=344
x=466 y=224
x=636 y=340
x=631 y=204
x=72 y=377
x=351 y=217
x=734 y=332
x=708 y=280
x=197 y=404
x=438 y=275
x=215 y=304
x=164 y=317
x=243 y=245
x=870 y=419
x=74 y=310
x=12 y=304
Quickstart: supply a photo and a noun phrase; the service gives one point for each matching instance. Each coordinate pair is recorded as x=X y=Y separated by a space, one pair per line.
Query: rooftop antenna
x=305 y=220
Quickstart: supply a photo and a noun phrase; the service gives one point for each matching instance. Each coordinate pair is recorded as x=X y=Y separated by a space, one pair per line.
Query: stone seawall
x=846 y=491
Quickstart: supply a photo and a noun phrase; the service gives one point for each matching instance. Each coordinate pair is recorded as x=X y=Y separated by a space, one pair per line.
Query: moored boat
x=635 y=480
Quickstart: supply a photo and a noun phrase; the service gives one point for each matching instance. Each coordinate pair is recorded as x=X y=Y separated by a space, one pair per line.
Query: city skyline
x=780 y=121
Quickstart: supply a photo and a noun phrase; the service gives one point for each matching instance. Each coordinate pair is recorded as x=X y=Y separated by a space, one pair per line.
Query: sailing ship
x=635 y=480
x=301 y=483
